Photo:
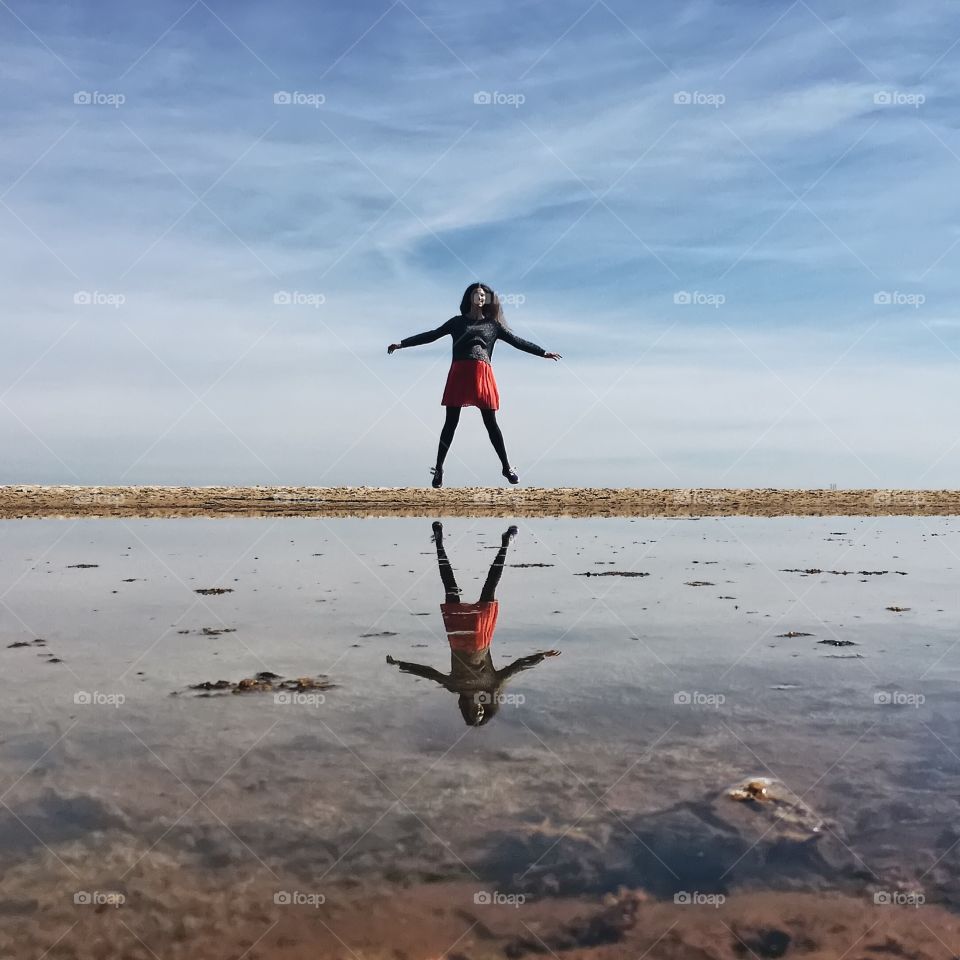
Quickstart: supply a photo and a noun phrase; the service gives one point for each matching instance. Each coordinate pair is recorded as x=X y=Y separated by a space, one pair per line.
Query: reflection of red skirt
x=470 y=383
x=470 y=626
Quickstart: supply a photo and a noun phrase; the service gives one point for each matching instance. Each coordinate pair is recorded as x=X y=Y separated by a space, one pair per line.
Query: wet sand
x=29 y=500
x=446 y=920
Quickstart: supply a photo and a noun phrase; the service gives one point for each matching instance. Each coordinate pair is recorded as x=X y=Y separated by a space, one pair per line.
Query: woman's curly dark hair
x=492 y=308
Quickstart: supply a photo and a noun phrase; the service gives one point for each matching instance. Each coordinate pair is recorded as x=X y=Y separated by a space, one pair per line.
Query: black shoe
x=511 y=474
x=437 y=476
x=437 y=531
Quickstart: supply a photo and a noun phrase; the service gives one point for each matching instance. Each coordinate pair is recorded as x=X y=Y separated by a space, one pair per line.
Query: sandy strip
x=156 y=501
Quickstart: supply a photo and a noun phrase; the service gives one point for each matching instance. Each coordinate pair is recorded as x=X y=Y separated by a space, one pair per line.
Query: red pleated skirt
x=470 y=626
x=470 y=383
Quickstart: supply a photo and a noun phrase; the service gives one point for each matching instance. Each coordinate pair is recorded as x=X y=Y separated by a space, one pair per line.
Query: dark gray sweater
x=473 y=339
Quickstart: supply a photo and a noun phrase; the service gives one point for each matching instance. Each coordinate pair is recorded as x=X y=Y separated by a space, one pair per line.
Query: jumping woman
x=470 y=381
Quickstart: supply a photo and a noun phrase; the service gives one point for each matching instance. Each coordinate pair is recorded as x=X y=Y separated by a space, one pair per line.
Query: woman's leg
x=446 y=434
x=496 y=437
x=446 y=571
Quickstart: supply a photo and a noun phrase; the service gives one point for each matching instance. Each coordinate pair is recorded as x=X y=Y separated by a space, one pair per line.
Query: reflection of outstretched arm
x=525 y=663
x=419 y=669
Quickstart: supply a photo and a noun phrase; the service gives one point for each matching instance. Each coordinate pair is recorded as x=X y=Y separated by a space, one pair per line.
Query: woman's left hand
x=551 y=356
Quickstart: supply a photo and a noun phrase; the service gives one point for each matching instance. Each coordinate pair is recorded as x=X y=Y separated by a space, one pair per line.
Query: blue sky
x=737 y=223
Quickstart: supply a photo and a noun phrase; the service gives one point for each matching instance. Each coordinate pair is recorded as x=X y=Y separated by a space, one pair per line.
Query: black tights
x=493 y=431
x=449 y=580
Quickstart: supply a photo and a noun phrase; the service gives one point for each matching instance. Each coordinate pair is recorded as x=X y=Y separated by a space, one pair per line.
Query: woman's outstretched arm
x=527 y=346
x=428 y=336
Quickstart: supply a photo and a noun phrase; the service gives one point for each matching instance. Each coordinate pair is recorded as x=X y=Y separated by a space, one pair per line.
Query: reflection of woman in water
x=470 y=629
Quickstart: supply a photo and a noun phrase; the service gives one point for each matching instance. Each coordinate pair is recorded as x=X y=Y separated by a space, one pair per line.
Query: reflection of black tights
x=493 y=431
x=450 y=581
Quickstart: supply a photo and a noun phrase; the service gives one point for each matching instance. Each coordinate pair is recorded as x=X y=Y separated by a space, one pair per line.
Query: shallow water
x=608 y=765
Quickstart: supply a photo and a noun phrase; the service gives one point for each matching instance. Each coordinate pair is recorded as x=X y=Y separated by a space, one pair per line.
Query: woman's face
x=479 y=297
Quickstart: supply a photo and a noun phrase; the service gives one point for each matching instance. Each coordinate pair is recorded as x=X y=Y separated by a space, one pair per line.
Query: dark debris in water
x=264 y=682
x=27 y=643
x=82 y=566
x=213 y=591
x=794 y=633
x=612 y=573
x=838 y=643
x=843 y=573
x=898 y=609
x=529 y=564
x=698 y=583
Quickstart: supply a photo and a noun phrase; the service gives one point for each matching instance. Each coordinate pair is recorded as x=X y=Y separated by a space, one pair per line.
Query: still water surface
x=441 y=743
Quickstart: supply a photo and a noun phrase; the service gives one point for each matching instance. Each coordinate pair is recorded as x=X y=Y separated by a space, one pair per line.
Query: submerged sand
x=457 y=921
x=34 y=500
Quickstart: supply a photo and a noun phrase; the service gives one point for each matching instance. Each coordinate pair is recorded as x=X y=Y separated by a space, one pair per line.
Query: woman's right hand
x=392 y=347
